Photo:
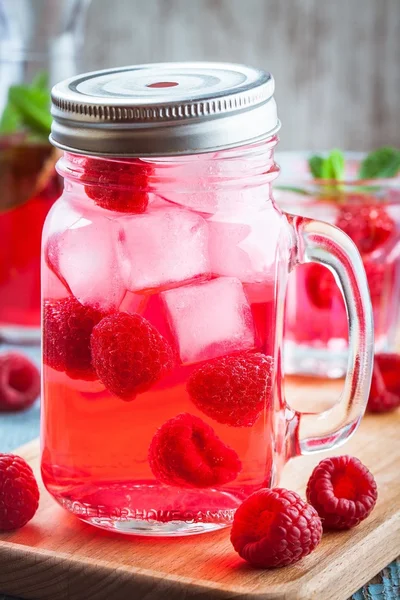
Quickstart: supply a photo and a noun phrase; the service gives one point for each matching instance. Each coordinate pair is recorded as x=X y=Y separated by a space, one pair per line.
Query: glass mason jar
x=165 y=265
x=316 y=330
x=40 y=44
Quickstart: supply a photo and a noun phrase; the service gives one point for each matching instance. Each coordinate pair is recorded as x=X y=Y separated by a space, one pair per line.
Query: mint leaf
x=333 y=166
x=381 y=163
x=10 y=120
x=33 y=106
x=315 y=165
x=337 y=163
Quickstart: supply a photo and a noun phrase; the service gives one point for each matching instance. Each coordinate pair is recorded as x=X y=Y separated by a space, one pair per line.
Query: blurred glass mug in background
x=367 y=208
x=40 y=44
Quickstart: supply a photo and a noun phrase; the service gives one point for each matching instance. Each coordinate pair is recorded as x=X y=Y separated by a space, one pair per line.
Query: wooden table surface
x=56 y=557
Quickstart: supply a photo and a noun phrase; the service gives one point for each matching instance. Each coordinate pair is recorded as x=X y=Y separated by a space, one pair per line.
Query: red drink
x=316 y=331
x=28 y=187
x=99 y=467
x=163 y=286
x=100 y=470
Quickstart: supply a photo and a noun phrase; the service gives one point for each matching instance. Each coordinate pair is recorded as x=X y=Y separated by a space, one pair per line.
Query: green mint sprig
x=28 y=108
x=379 y=164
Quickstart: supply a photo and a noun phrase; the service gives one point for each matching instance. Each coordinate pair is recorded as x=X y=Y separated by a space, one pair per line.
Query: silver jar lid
x=163 y=109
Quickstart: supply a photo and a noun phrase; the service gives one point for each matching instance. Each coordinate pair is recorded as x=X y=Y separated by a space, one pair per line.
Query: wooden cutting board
x=56 y=557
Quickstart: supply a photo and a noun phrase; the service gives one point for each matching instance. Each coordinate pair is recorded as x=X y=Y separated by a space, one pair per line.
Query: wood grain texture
x=336 y=64
x=55 y=557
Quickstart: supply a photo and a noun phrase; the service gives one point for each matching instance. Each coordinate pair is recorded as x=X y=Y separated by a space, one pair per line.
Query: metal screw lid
x=163 y=109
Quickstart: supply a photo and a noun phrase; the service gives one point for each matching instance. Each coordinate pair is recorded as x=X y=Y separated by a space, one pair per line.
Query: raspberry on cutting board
x=19 y=382
x=19 y=492
x=233 y=390
x=343 y=492
x=186 y=452
x=275 y=528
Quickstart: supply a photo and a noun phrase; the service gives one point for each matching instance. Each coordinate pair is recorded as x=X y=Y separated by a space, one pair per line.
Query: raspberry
x=233 y=390
x=19 y=492
x=385 y=385
x=186 y=452
x=368 y=225
x=320 y=286
x=379 y=278
x=19 y=382
x=129 y=354
x=275 y=528
x=67 y=326
x=343 y=492
x=118 y=186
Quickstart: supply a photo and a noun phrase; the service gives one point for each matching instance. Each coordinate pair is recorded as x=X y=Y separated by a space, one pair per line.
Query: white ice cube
x=84 y=257
x=162 y=247
x=243 y=243
x=210 y=319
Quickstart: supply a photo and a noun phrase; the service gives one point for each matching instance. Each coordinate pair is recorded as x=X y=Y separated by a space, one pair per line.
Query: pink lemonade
x=100 y=470
x=96 y=446
x=316 y=330
x=164 y=271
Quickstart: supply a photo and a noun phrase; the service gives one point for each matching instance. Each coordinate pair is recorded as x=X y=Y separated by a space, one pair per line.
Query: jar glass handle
x=315 y=241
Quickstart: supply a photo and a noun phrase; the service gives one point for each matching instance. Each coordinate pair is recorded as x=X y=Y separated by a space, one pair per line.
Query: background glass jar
x=40 y=43
x=163 y=288
x=316 y=331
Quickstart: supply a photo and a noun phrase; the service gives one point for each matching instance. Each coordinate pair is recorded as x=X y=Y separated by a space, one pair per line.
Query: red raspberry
x=67 y=326
x=19 y=382
x=233 y=390
x=129 y=354
x=19 y=492
x=385 y=385
x=275 y=528
x=368 y=225
x=379 y=276
x=186 y=452
x=321 y=286
x=119 y=186
x=343 y=492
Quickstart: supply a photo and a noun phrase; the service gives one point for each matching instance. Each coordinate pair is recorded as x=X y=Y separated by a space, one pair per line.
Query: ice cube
x=215 y=181
x=162 y=247
x=243 y=243
x=210 y=319
x=84 y=257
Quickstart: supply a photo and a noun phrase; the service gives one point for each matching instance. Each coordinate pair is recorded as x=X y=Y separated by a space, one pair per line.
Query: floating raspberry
x=121 y=186
x=320 y=286
x=368 y=225
x=275 y=528
x=385 y=385
x=19 y=382
x=343 y=492
x=67 y=326
x=186 y=452
x=129 y=354
x=19 y=492
x=233 y=390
